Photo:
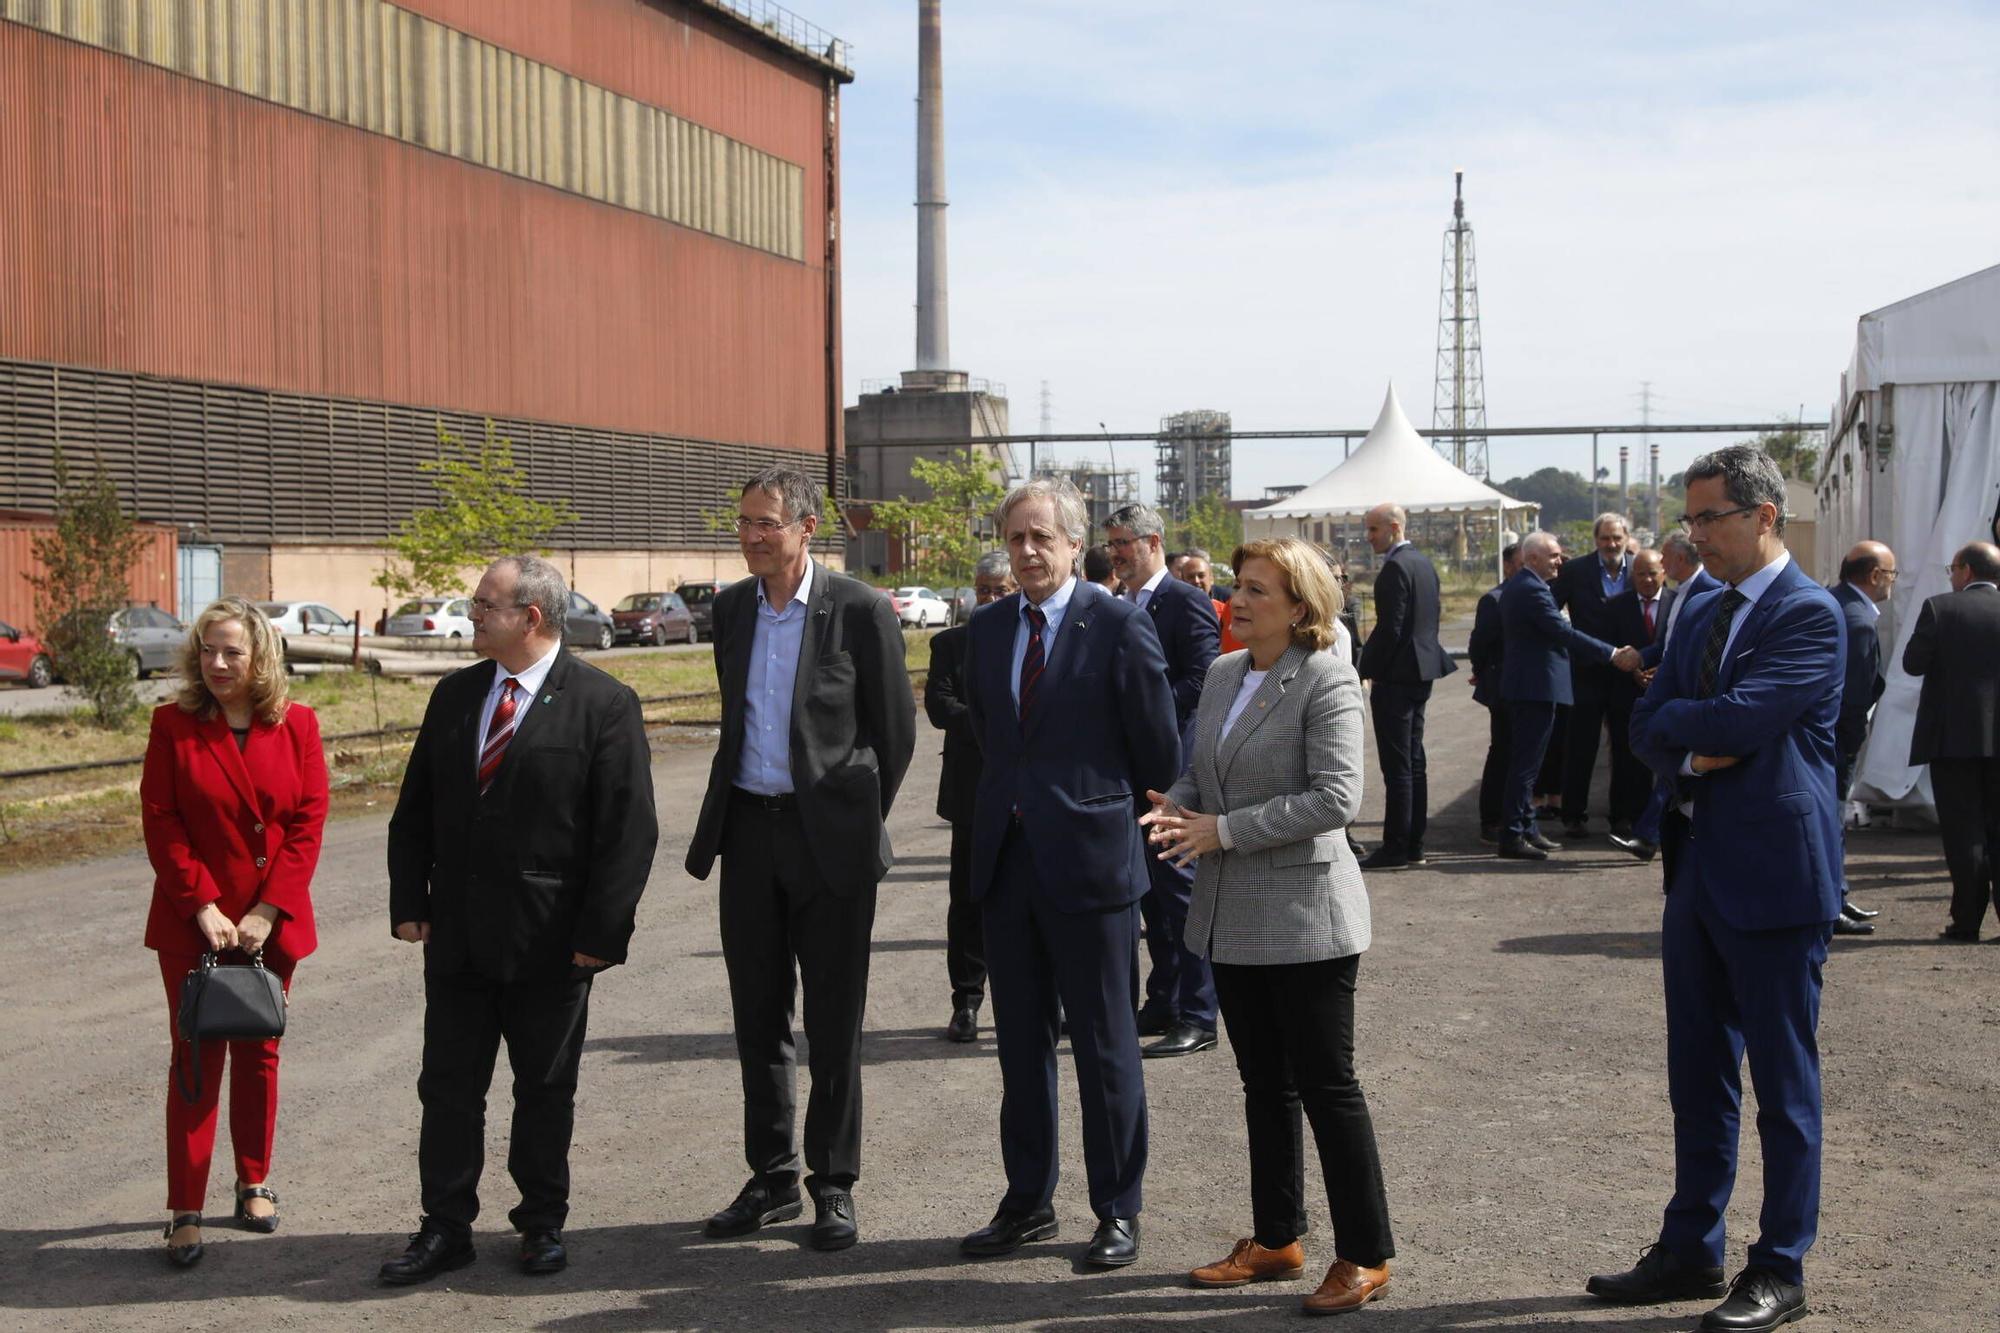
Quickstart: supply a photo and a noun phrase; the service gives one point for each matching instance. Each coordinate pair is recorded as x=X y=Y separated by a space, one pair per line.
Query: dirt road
x=1510 y=1040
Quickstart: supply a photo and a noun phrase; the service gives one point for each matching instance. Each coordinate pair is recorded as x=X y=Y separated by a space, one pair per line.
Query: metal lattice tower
x=1459 y=403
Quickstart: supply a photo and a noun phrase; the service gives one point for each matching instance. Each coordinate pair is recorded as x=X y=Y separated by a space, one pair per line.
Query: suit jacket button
x=256 y=828
x=260 y=863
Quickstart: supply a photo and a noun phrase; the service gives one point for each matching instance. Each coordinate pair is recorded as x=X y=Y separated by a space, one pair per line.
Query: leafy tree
x=1563 y=495
x=1213 y=526
x=483 y=512
x=1795 y=452
x=85 y=565
x=943 y=533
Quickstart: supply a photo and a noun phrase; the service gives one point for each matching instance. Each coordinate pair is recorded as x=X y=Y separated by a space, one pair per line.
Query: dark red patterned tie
x=1032 y=661
x=1649 y=619
x=498 y=732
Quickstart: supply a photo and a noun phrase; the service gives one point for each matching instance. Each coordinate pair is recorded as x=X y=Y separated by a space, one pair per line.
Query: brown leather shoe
x=1250 y=1262
x=1348 y=1286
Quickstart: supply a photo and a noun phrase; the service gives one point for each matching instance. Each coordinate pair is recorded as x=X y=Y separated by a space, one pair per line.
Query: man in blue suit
x=1070 y=703
x=1867 y=576
x=1534 y=678
x=1485 y=650
x=1683 y=566
x=1740 y=717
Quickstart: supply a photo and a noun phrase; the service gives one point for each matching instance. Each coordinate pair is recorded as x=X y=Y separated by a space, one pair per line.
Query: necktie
x=1718 y=639
x=498 y=733
x=1649 y=619
x=1032 y=661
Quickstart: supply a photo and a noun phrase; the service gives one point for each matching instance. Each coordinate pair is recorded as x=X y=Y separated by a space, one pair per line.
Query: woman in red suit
x=233 y=798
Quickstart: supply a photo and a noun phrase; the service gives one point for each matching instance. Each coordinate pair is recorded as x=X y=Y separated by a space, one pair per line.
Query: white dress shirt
x=530 y=683
x=1874 y=609
x=1752 y=588
x=1145 y=594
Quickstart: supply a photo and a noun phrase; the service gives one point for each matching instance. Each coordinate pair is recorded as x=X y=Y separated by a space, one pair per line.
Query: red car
x=22 y=657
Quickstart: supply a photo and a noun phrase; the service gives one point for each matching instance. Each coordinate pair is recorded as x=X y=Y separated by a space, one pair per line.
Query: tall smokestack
x=933 y=316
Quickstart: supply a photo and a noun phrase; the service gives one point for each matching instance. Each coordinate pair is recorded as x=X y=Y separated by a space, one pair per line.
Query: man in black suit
x=818 y=725
x=1867 y=576
x=958 y=786
x=1486 y=650
x=1681 y=563
x=521 y=841
x=1954 y=648
x=1180 y=989
x=1585 y=590
x=1638 y=616
x=1401 y=659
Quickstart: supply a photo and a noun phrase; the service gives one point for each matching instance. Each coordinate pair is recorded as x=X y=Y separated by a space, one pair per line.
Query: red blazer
x=232 y=829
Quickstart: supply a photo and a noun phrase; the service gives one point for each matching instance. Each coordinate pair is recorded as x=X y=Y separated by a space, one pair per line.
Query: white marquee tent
x=1914 y=460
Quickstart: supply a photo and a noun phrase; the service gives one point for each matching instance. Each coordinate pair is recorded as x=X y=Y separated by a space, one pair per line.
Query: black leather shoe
x=184 y=1256
x=757 y=1206
x=1382 y=858
x=1155 y=1023
x=431 y=1252
x=1358 y=847
x=1855 y=912
x=1536 y=838
x=833 y=1220
x=1638 y=847
x=1954 y=935
x=1514 y=849
x=1757 y=1300
x=1181 y=1039
x=1575 y=830
x=1115 y=1243
x=1658 y=1276
x=542 y=1251
x=1847 y=925
x=964 y=1025
x=1415 y=857
x=1008 y=1232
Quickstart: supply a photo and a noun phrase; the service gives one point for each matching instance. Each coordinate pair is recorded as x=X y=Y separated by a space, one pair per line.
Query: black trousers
x=1549 y=780
x=783 y=927
x=1631 y=780
x=1292 y=1028
x=964 y=937
x=1528 y=727
x=1968 y=810
x=1398 y=709
x=1493 y=778
x=465 y=1018
x=1591 y=713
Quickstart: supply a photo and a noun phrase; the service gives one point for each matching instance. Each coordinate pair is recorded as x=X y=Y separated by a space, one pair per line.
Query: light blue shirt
x=1613 y=580
x=765 y=766
x=1874 y=611
x=1752 y=589
x=1054 y=609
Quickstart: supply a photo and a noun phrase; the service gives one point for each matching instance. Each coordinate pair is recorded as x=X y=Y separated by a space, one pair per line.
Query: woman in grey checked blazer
x=1281 y=913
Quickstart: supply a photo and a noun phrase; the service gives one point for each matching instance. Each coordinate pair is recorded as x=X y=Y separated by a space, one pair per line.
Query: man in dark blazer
x=818 y=725
x=958 y=786
x=1534 y=680
x=1179 y=1003
x=521 y=841
x=1401 y=659
x=1485 y=651
x=1867 y=576
x=1585 y=590
x=1740 y=718
x=1071 y=705
x=1637 y=616
x=1954 y=648
x=1683 y=566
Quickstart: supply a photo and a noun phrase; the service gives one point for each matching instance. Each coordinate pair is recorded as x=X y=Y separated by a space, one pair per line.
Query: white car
x=440 y=617
x=306 y=618
x=920 y=607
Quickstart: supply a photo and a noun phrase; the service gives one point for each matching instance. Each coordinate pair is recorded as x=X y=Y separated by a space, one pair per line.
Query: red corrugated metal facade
x=152 y=578
x=155 y=223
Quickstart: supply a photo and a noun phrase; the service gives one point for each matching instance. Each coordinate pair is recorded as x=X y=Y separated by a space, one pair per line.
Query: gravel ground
x=1510 y=1040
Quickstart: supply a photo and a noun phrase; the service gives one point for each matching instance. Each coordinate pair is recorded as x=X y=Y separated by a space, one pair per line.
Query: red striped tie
x=498 y=732
x=1032 y=661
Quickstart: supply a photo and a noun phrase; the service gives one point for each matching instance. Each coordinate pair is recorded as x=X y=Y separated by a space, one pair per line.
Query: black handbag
x=234 y=1003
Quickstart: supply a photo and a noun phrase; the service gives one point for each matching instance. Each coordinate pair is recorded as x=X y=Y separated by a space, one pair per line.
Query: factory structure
x=256 y=255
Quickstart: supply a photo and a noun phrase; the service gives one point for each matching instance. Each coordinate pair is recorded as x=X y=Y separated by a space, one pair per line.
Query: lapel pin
x=548 y=698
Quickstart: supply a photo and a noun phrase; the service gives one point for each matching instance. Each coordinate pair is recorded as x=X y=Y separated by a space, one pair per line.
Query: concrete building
x=259 y=252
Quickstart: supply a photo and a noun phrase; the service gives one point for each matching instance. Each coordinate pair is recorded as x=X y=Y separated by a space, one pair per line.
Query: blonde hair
x=1308 y=582
x=268 y=685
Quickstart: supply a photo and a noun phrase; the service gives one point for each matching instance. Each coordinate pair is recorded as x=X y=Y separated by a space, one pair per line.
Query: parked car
x=306 y=618
x=22 y=657
x=587 y=626
x=699 y=595
x=964 y=601
x=151 y=638
x=920 y=607
x=653 y=617
x=441 y=617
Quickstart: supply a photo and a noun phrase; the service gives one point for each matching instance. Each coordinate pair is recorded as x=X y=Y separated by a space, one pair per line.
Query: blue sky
x=1166 y=205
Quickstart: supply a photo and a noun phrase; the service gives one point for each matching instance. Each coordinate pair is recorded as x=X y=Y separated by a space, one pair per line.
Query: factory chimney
x=933 y=315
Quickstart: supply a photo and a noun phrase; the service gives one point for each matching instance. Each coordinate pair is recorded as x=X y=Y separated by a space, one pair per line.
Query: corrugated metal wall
x=151 y=579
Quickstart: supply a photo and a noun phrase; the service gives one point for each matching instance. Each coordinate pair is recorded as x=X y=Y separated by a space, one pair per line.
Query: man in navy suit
x=1070 y=703
x=1401 y=659
x=1867 y=576
x=1637 y=616
x=1586 y=590
x=1485 y=650
x=1741 y=718
x=1180 y=988
x=1683 y=566
x=1534 y=678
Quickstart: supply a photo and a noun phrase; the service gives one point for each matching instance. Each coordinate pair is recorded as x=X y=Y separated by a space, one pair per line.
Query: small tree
x=483 y=512
x=85 y=565
x=943 y=535
x=1214 y=527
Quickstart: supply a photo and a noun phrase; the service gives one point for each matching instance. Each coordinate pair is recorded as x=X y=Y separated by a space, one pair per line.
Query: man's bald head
x=1870 y=567
x=1976 y=562
x=1384 y=525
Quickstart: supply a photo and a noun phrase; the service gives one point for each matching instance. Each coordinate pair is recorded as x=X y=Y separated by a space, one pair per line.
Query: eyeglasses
x=481 y=606
x=1709 y=517
x=1122 y=542
x=767 y=526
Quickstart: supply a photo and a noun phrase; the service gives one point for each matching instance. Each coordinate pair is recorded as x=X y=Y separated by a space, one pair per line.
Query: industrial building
x=1191 y=459
x=254 y=254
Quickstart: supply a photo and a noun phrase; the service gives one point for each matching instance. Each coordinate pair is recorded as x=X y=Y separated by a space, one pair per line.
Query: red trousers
x=253 y=1098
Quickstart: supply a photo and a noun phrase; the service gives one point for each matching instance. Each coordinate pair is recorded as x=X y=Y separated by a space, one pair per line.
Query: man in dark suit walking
x=1072 y=708
x=958 y=786
x=1485 y=650
x=1401 y=659
x=521 y=841
x=1179 y=1006
x=818 y=725
x=1740 y=718
x=1683 y=566
x=1585 y=590
x=1637 y=616
x=1867 y=576
x=1954 y=648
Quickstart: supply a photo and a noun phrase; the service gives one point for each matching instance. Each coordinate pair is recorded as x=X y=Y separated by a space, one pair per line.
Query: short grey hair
x=1142 y=520
x=1536 y=541
x=1072 y=514
x=1680 y=546
x=994 y=565
x=538 y=583
x=1609 y=516
x=799 y=493
x=1196 y=553
x=1749 y=477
